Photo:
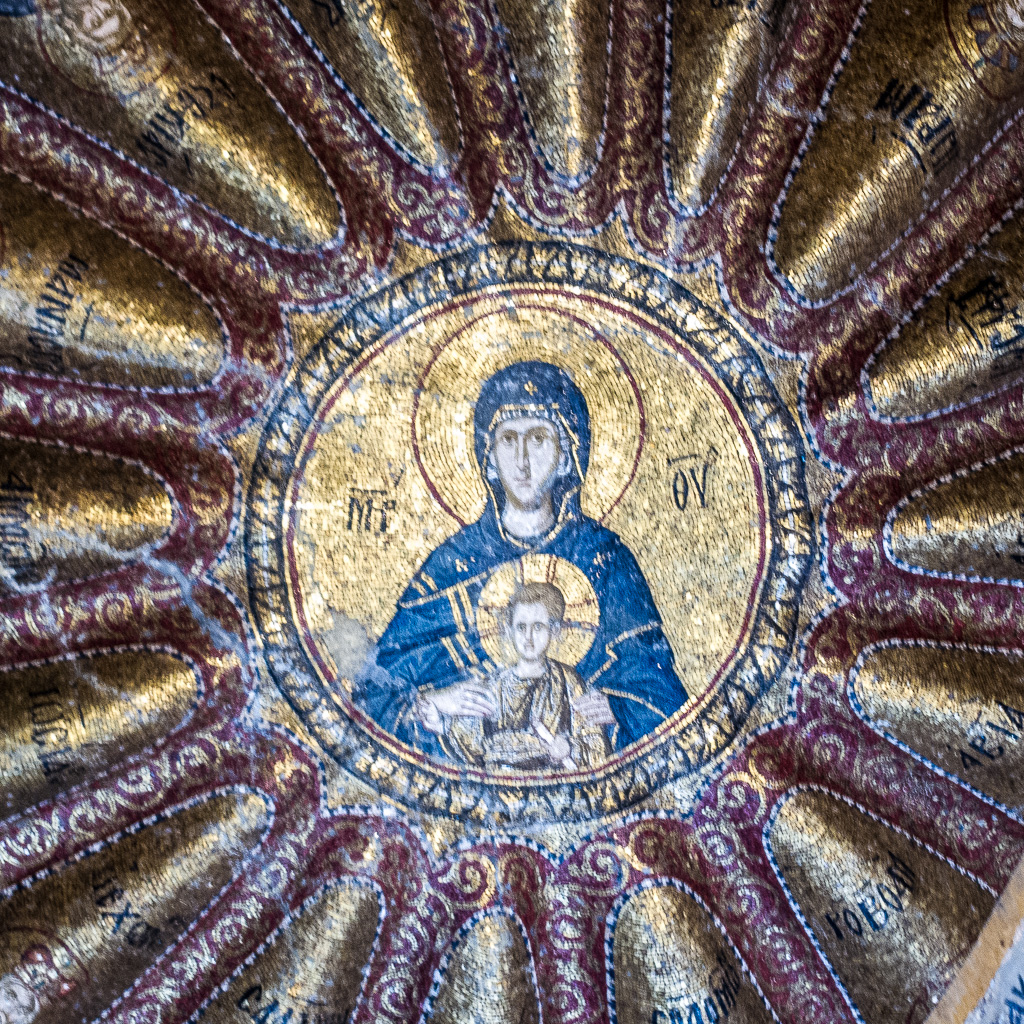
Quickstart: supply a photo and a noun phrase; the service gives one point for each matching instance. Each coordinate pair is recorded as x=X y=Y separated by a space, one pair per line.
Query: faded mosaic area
x=510 y=512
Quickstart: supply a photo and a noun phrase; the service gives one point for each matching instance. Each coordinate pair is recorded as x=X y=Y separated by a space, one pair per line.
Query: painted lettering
x=368 y=510
x=919 y=123
x=164 y=135
x=874 y=903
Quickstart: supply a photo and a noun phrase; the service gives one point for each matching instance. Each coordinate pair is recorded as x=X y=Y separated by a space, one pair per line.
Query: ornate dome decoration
x=508 y=511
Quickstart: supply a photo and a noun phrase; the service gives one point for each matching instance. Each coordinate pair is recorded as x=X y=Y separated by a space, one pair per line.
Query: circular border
x=410 y=780
x=692 y=709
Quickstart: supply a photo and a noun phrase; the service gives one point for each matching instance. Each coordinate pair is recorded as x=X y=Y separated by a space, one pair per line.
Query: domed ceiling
x=509 y=511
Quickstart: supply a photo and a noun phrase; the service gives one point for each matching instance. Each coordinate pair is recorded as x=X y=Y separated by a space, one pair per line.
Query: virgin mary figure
x=532 y=442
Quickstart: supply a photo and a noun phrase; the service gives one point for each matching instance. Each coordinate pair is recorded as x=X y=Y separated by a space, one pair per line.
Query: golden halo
x=582 y=612
x=498 y=337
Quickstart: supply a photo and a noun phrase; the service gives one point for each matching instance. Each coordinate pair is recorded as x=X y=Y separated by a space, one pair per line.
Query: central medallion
x=526 y=535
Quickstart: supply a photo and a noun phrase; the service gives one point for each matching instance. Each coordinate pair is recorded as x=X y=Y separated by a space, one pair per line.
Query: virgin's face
x=526 y=453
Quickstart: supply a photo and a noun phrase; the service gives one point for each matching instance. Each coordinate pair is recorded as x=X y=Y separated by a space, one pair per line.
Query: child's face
x=532 y=628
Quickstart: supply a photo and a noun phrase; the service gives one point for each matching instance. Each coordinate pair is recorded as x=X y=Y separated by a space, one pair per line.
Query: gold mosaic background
x=196 y=199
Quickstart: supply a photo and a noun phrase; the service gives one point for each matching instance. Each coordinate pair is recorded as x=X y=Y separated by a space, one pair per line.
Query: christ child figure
x=537 y=705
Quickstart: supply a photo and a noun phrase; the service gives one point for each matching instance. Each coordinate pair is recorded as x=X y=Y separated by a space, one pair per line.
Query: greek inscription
x=51 y=732
x=252 y=1004
x=163 y=137
x=368 y=511
x=994 y=322
x=690 y=478
x=15 y=497
x=874 y=903
x=46 y=336
x=919 y=123
x=987 y=741
x=122 y=919
x=710 y=1006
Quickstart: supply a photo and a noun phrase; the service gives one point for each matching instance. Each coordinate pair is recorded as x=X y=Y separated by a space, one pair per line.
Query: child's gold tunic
x=508 y=740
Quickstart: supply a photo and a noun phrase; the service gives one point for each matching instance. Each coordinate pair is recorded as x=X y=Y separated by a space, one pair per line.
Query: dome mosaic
x=510 y=511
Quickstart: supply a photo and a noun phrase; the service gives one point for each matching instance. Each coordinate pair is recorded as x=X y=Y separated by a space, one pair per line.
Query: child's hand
x=559 y=749
x=594 y=708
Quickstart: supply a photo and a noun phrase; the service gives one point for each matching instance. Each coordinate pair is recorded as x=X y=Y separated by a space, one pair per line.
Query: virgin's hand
x=427 y=715
x=594 y=708
x=469 y=698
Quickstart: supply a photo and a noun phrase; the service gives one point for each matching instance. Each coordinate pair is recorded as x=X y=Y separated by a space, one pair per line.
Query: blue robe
x=432 y=641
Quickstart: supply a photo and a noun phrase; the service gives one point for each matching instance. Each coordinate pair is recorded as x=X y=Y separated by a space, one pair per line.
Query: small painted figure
x=535 y=723
x=103 y=26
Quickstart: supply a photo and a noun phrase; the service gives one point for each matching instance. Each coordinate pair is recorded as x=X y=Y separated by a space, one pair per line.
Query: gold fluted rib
x=962 y=709
x=77 y=301
x=67 y=721
x=387 y=53
x=672 y=963
x=74 y=941
x=158 y=82
x=313 y=969
x=968 y=526
x=922 y=93
x=68 y=514
x=560 y=56
x=894 y=921
x=967 y=340
x=720 y=54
